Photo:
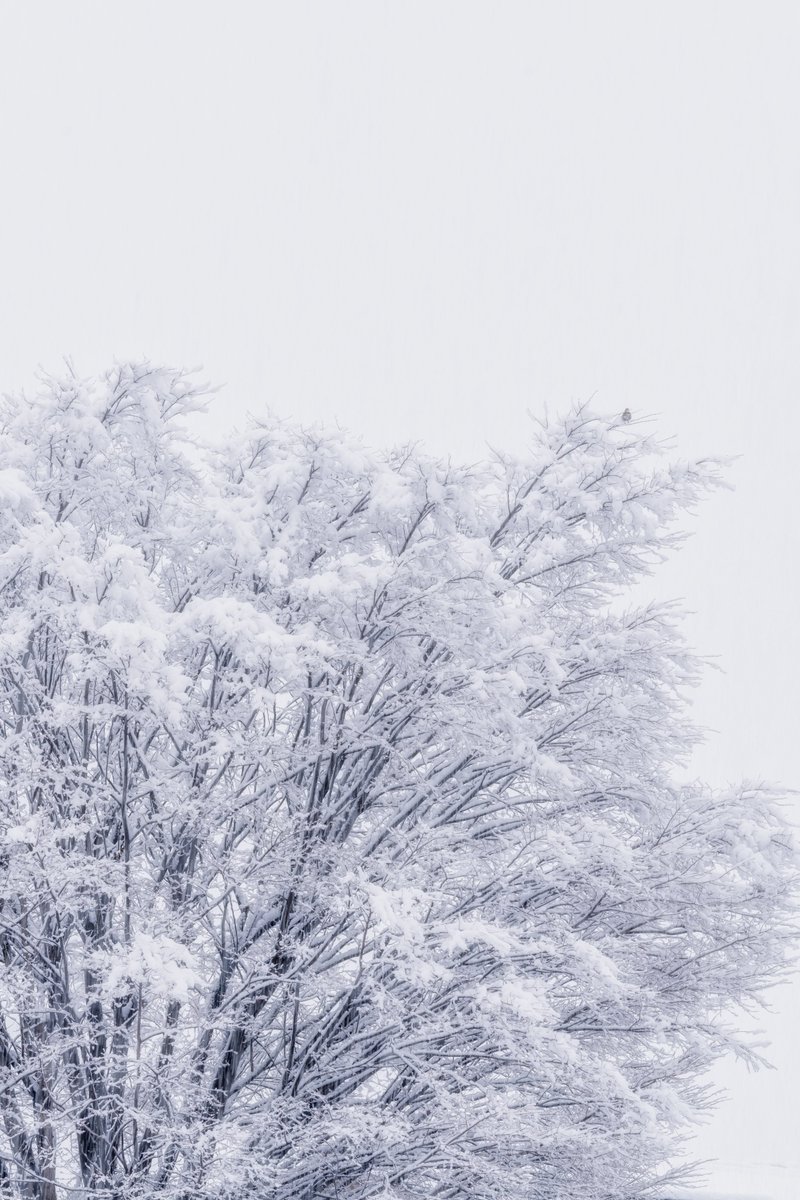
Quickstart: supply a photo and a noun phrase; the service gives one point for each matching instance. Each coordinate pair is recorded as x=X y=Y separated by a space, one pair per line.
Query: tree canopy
x=343 y=853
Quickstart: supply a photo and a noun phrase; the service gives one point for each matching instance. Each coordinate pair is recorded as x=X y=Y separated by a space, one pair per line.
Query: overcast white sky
x=423 y=218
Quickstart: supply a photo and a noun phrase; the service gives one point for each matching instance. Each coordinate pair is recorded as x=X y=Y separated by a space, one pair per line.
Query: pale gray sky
x=424 y=218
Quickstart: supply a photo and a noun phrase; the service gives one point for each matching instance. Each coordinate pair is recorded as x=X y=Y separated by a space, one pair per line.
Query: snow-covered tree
x=342 y=852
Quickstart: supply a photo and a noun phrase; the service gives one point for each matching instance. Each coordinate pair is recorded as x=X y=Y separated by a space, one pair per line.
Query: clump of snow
x=164 y=966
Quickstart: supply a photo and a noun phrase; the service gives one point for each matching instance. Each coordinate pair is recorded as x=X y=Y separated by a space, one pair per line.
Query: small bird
x=626 y=416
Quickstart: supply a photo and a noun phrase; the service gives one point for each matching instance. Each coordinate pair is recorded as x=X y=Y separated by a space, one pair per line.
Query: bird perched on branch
x=626 y=416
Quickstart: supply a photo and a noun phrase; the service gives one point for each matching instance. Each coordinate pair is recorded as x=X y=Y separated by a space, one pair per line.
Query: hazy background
x=424 y=219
